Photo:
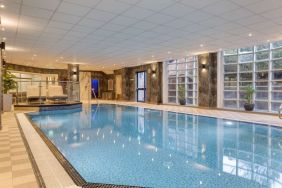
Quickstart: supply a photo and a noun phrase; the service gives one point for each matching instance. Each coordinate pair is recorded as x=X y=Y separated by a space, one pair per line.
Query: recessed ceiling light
x=250 y=34
x=3 y=28
x=168 y=52
x=268 y=40
x=201 y=45
x=2 y=6
x=4 y=38
x=34 y=55
x=153 y=56
x=61 y=57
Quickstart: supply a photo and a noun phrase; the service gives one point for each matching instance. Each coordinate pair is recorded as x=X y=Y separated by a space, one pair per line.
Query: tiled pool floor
x=16 y=169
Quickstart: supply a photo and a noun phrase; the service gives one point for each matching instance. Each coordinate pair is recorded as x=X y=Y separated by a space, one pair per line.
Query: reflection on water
x=197 y=150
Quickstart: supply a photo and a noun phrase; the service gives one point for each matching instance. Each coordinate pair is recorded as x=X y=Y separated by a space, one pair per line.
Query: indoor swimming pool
x=125 y=145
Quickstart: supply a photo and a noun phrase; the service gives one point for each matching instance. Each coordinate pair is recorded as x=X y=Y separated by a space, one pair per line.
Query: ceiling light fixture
x=2 y=6
x=168 y=52
x=268 y=40
x=201 y=45
x=250 y=35
x=14 y=49
x=4 y=38
x=2 y=29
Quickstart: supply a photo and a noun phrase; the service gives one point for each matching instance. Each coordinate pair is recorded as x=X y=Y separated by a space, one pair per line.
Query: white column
x=165 y=83
x=220 y=79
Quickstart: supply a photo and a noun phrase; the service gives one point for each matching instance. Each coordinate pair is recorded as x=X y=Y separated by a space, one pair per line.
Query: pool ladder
x=280 y=112
x=93 y=91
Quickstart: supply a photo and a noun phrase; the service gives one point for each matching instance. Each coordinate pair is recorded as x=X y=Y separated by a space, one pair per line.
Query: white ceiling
x=109 y=34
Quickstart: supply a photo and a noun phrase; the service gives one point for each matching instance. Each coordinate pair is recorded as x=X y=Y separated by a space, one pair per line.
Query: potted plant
x=249 y=105
x=181 y=95
x=8 y=84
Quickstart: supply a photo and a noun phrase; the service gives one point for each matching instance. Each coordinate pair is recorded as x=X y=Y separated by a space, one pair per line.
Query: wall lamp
x=3 y=62
x=153 y=70
x=204 y=66
x=2 y=45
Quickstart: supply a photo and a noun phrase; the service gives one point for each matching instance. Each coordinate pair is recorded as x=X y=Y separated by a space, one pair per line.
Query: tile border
x=38 y=176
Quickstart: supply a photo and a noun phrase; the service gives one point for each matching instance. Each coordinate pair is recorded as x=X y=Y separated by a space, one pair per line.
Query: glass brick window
x=183 y=73
x=259 y=66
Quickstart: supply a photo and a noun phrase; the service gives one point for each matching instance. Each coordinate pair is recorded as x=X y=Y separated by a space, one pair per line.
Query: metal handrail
x=280 y=112
x=93 y=90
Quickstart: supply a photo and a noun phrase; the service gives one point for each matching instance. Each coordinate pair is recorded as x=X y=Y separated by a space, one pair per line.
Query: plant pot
x=249 y=107
x=182 y=101
x=7 y=102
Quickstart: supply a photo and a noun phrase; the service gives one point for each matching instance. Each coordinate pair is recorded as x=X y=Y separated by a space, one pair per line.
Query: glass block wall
x=183 y=73
x=259 y=66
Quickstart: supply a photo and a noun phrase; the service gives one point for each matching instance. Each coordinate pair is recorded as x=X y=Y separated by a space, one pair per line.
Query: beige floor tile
x=18 y=149
x=15 y=153
x=4 y=155
x=20 y=161
x=21 y=166
x=23 y=179
x=5 y=164
x=6 y=183
x=18 y=157
x=6 y=176
x=4 y=159
x=24 y=172
x=5 y=169
x=27 y=185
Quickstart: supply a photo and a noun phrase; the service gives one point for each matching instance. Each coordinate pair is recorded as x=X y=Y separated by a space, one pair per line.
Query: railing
x=280 y=112
x=94 y=94
x=42 y=92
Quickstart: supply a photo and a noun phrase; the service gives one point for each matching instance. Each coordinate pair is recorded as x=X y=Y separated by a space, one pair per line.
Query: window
x=259 y=66
x=183 y=73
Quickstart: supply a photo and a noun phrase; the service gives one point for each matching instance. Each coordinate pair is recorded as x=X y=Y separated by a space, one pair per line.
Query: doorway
x=95 y=88
x=141 y=86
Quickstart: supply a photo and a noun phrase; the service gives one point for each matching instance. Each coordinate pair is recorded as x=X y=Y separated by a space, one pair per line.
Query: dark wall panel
x=207 y=80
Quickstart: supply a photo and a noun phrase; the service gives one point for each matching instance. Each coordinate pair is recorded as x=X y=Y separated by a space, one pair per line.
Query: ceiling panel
x=107 y=32
x=73 y=9
x=50 y=4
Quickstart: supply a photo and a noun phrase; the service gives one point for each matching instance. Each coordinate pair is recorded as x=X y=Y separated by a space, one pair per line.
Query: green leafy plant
x=249 y=94
x=181 y=92
x=8 y=81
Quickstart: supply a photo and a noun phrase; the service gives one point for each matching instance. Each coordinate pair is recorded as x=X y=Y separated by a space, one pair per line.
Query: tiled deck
x=15 y=167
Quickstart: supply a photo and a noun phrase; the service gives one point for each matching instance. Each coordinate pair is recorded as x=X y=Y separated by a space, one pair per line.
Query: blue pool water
x=124 y=145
